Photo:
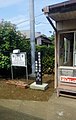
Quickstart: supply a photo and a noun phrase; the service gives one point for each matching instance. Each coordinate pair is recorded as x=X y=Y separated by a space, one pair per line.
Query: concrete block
x=44 y=86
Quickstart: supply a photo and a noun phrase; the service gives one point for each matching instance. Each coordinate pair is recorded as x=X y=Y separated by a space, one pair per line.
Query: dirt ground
x=13 y=92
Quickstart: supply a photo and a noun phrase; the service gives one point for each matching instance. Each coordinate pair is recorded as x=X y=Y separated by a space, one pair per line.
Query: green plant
x=4 y=61
x=47 y=58
x=10 y=39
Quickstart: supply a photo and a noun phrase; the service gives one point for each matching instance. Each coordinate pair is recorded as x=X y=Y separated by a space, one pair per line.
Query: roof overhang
x=62 y=11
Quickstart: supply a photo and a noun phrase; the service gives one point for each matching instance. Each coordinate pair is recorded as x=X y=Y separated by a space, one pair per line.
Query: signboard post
x=19 y=60
x=38 y=68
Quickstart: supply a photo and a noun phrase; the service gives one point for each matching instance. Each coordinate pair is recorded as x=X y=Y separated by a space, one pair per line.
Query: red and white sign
x=68 y=79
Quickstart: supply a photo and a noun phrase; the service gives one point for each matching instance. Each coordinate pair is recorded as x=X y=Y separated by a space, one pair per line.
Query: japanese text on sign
x=18 y=59
x=68 y=79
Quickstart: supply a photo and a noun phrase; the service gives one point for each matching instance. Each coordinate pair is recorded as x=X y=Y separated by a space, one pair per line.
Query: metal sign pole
x=27 y=74
x=12 y=72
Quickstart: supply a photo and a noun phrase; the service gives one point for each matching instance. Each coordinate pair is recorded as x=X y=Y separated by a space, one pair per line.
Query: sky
x=18 y=12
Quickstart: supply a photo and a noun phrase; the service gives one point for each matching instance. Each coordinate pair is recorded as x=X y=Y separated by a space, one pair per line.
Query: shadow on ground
x=7 y=114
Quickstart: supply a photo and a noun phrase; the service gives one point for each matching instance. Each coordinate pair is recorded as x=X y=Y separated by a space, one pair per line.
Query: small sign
x=18 y=59
x=68 y=79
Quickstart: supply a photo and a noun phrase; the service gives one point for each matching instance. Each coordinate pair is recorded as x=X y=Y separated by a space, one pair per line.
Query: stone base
x=44 y=86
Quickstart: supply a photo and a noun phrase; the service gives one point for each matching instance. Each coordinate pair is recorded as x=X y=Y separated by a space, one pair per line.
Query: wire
x=39 y=15
x=22 y=22
x=41 y=23
x=28 y=19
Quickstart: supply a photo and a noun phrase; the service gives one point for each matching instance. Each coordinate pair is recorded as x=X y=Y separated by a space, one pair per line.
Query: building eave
x=62 y=11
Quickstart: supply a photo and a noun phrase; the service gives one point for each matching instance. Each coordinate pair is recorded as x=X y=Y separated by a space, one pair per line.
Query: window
x=66 y=49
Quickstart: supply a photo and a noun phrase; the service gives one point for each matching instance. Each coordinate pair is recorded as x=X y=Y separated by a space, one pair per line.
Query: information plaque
x=18 y=59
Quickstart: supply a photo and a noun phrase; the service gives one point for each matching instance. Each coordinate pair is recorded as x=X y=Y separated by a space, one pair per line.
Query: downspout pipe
x=56 y=53
x=50 y=21
x=46 y=12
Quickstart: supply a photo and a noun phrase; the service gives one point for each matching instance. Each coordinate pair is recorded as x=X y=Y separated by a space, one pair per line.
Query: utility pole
x=32 y=35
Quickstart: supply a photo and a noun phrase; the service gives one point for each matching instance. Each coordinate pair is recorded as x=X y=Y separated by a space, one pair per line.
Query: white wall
x=39 y=41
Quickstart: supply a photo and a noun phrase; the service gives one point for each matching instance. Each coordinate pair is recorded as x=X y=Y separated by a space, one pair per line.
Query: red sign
x=68 y=79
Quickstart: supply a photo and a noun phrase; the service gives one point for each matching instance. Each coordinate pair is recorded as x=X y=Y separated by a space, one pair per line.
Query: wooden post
x=56 y=60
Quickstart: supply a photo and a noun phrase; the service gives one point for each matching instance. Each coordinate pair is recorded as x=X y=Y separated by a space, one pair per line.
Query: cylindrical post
x=32 y=35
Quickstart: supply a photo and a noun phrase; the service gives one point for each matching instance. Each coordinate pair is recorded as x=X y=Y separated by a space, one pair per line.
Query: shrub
x=47 y=58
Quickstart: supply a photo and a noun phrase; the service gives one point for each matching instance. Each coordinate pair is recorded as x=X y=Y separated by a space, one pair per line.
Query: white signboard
x=18 y=59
